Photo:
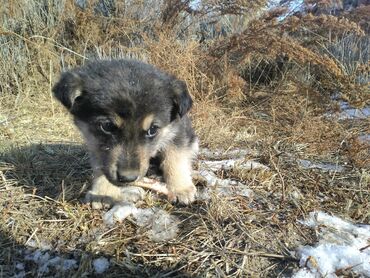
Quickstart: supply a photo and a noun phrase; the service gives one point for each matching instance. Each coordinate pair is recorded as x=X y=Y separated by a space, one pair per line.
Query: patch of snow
x=292 y=6
x=19 y=266
x=342 y=246
x=161 y=225
x=304 y=273
x=229 y=164
x=212 y=180
x=223 y=187
x=145 y=216
x=318 y=165
x=100 y=265
x=365 y=138
x=354 y=113
x=350 y=113
x=194 y=4
x=118 y=213
x=45 y=262
x=295 y=6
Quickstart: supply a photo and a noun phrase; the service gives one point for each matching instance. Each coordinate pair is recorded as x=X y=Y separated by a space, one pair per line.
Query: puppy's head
x=126 y=110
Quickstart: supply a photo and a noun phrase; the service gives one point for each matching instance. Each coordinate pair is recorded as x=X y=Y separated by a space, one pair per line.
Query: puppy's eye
x=152 y=131
x=107 y=127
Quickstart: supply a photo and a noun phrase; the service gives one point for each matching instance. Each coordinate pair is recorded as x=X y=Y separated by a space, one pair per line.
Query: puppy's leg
x=104 y=194
x=177 y=168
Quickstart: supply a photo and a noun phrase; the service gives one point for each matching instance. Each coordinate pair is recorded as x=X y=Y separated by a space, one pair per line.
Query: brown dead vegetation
x=258 y=82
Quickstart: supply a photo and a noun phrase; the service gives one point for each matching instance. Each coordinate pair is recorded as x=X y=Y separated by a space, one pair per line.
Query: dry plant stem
x=282 y=181
x=152 y=184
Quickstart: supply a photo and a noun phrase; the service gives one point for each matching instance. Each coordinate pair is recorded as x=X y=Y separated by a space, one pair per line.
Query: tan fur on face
x=144 y=157
x=177 y=173
x=92 y=145
x=165 y=138
x=114 y=156
x=118 y=120
x=147 y=122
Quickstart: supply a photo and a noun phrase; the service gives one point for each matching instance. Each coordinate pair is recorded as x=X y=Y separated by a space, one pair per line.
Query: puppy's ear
x=181 y=97
x=68 y=89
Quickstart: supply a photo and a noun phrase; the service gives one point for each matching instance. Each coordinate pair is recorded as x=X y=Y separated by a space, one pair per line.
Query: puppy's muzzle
x=125 y=176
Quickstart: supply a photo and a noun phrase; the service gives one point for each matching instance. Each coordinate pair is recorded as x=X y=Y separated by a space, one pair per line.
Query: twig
x=152 y=184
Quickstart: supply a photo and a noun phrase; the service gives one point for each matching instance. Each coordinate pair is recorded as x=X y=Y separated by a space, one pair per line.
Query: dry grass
x=244 y=98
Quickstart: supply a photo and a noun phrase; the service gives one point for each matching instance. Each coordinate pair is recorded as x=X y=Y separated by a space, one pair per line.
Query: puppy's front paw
x=129 y=194
x=98 y=201
x=182 y=194
x=104 y=194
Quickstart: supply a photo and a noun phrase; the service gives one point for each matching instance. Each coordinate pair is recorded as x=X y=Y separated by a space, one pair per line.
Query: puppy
x=130 y=112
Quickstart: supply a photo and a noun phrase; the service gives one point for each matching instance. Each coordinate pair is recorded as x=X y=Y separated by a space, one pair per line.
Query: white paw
x=183 y=194
x=101 y=200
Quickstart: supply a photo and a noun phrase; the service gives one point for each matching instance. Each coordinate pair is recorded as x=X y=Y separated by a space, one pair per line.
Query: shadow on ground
x=55 y=170
x=16 y=260
x=60 y=172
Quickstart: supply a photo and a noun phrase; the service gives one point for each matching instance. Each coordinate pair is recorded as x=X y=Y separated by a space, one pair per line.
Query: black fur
x=137 y=87
x=68 y=88
x=131 y=89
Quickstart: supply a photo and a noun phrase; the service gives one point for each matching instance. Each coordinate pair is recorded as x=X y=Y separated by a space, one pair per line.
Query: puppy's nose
x=126 y=177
